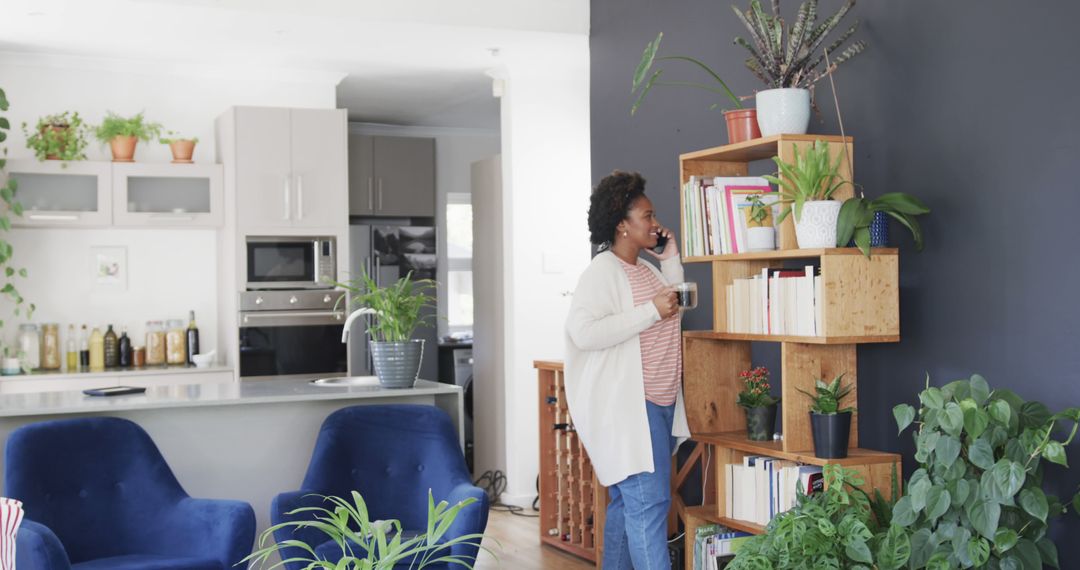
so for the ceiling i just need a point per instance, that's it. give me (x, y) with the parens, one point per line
(412, 62)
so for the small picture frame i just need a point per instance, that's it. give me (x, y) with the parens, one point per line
(108, 266)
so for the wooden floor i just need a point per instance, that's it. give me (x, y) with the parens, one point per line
(519, 546)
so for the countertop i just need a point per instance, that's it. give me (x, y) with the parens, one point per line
(116, 372)
(206, 394)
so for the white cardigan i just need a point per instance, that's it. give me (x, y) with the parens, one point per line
(605, 390)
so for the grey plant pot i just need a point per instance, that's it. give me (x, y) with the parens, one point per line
(397, 364)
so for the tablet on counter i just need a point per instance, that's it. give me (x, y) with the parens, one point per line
(114, 391)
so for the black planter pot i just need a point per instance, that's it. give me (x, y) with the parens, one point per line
(760, 423)
(831, 434)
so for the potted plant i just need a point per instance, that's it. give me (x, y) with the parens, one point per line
(830, 424)
(182, 148)
(123, 134)
(977, 498)
(865, 220)
(57, 137)
(760, 232)
(760, 406)
(788, 62)
(367, 544)
(742, 123)
(396, 312)
(11, 360)
(806, 187)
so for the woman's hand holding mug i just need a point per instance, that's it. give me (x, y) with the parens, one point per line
(666, 303)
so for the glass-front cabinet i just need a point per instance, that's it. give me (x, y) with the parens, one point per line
(185, 195)
(59, 194)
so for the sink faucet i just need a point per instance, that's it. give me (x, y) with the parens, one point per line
(351, 318)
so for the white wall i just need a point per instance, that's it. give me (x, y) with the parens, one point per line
(172, 271)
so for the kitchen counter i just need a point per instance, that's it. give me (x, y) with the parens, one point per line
(60, 381)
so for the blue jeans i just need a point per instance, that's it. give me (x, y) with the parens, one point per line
(635, 530)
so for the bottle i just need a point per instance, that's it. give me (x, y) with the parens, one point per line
(50, 346)
(112, 349)
(97, 350)
(72, 350)
(84, 349)
(175, 352)
(30, 346)
(125, 349)
(192, 339)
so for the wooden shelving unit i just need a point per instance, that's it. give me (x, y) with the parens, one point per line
(861, 305)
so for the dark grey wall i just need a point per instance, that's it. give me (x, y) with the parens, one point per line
(971, 105)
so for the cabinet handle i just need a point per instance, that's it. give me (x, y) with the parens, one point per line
(370, 194)
(299, 197)
(167, 216)
(53, 217)
(380, 194)
(286, 215)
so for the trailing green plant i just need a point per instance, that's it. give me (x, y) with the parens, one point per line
(811, 176)
(857, 214)
(789, 57)
(397, 307)
(827, 396)
(366, 544)
(755, 392)
(648, 58)
(836, 528)
(173, 136)
(9, 208)
(59, 137)
(116, 126)
(977, 499)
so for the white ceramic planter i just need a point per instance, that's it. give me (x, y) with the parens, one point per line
(10, 366)
(760, 239)
(783, 111)
(817, 226)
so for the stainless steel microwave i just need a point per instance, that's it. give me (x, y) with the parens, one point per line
(291, 262)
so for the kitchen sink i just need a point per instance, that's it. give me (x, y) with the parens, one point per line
(347, 381)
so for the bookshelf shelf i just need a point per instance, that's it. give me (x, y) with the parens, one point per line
(757, 149)
(707, 513)
(737, 440)
(782, 254)
(712, 335)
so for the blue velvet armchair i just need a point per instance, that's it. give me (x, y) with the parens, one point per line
(391, 455)
(99, 495)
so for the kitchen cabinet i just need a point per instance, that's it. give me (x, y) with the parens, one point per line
(62, 194)
(391, 176)
(291, 167)
(149, 194)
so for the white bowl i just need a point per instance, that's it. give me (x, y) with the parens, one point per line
(203, 360)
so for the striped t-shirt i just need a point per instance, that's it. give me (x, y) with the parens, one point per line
(661, 347)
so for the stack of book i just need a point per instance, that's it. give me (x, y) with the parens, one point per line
(715, 546)
(777, 302)
(716, 210)
(762, 487)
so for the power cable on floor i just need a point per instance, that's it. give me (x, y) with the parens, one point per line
(494, 483)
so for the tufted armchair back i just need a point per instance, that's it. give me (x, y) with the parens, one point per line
(391, 454)
(100, 484)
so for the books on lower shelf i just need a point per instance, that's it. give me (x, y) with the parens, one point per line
(762, 487)
(716, 211)
(776, 302)
(715, 546)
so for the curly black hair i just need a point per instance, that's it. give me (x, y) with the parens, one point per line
(610, 204)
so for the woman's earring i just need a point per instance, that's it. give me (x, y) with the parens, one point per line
(624, 234)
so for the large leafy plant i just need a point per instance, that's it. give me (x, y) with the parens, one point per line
(857, 213)
(58, 137)
(396, 308)
(827, 396)
(9, 208)
(789, 56)
(116, 126)
(648, 58)
(837, 528)
(811, 176)
(977, 498)
(366, 544)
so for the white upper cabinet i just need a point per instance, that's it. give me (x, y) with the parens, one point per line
(291, 167)
(61, 194)
(182, 195)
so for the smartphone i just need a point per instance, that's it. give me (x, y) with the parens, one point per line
(661, 241)
(114, 391)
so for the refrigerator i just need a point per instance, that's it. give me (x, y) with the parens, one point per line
(388, 252)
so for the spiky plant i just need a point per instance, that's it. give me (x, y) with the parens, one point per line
(789, 56)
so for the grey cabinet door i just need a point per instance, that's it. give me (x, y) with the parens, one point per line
(264, 191)
(361, 176)
(319, 168)
(404, 176)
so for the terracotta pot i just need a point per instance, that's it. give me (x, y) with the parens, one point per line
(59, 131)
(742, 125)
(123, 148)
(182, 151)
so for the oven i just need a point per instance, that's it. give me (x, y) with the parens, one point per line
(292, 334)
(290, 262)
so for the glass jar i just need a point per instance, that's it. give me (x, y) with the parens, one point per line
(175, 345)
(138, 356)
(29, 346)
(50, 346)
(155, 343)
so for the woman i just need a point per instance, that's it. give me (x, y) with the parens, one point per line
(624, 370)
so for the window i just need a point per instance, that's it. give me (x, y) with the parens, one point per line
(459, 245)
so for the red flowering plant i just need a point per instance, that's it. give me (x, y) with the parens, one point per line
(755, 392)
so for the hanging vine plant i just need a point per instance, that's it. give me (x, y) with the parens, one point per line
(9, 208)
